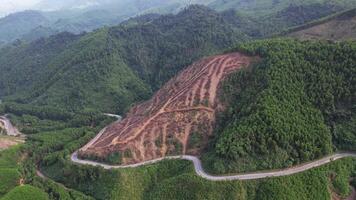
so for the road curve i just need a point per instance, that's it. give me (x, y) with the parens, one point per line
(10, 129)
(247, 176)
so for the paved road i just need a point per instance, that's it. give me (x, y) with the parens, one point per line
(248, 176)
(113, 115)
(10, 129)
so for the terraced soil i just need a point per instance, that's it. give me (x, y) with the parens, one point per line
(163, 126)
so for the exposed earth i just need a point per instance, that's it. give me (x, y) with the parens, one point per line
(10, 129)
(6, 142)
(183, 108)
(9, 135)
(340, 27)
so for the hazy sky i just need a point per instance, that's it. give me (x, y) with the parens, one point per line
(9, 6)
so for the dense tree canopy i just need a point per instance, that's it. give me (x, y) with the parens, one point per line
(290, 107)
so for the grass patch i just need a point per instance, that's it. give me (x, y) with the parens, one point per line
(26, 192)
(9, 169)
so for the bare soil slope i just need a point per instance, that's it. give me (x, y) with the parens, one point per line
(181, 110)
(339, 27)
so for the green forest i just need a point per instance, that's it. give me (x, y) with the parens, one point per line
(112, 68)
(296, 103)
(275, 112)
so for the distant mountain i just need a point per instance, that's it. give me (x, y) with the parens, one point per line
(341, 26)
(266, 7)
(15, 25)
(78, 16)
(87, 15)
(111, 68)
(54, 5)
(38, 32)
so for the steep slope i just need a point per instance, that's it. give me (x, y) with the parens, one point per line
(22, 65)
(294, 106)
(177, 120)
(338, 27)
(111, 68)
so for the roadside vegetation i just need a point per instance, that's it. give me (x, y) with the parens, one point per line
(53, 138)
(26, 192)
(10, 170)
(294, 106)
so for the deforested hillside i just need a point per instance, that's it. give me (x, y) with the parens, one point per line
(111, 68)
(338, 27)
(295, 104)
(179, 119)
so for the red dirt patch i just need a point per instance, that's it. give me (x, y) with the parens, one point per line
(162, 125)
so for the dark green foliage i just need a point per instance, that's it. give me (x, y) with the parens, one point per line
(161, 48)
(345, 134)
(41, 112)
(189, 186)
(173, 179)
(112, 68)
(284, 110)
(194, 140)
(353, 182)
(114, 158)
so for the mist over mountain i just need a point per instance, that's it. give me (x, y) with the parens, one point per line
(48, 17)
(78, 16)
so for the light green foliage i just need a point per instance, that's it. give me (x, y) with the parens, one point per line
(9, 169)
(25, 192)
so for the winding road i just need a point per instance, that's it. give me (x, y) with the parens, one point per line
(200, 171)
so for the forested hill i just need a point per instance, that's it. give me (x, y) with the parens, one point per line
(297, 105)
(340, 26)
(111, 68)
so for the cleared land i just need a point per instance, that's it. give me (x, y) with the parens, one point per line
(10, 129)
(339, 27)
(7, 141)
(163, 126)
(12, 137)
